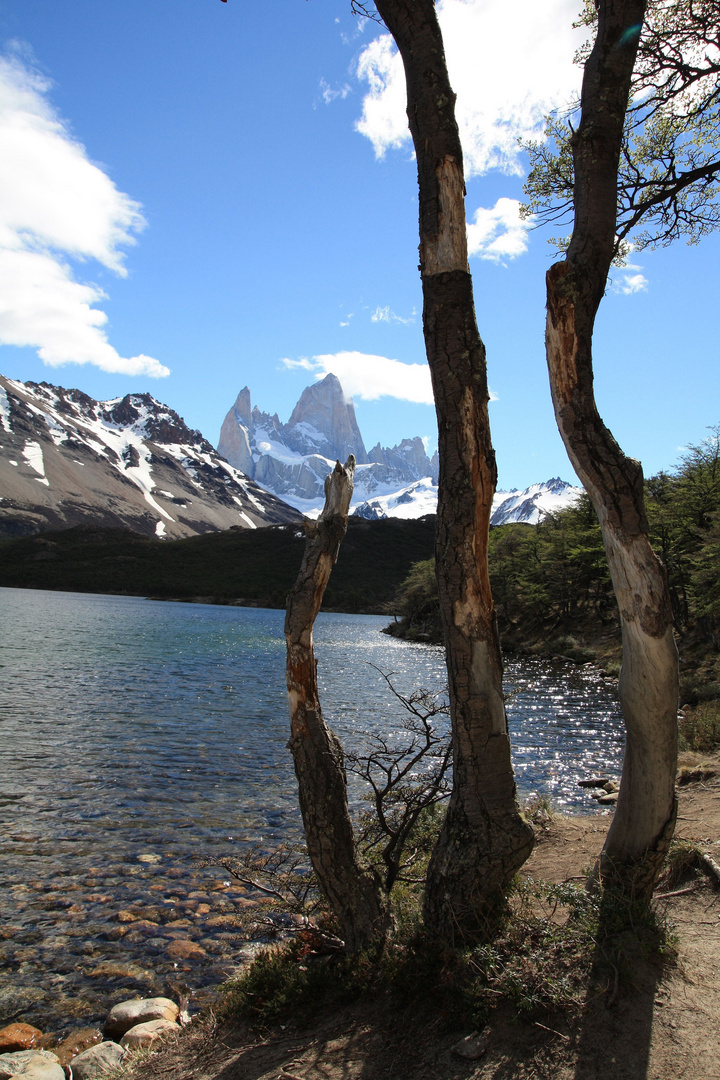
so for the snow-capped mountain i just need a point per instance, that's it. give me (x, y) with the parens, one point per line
(534, 502)
(293, 459)
(132, 462)
(527, 506)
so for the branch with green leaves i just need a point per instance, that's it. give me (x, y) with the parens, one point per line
(669, 172)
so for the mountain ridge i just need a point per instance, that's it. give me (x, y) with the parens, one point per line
(68, 460)
(292, 460)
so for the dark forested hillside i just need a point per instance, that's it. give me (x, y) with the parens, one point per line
(254, 567)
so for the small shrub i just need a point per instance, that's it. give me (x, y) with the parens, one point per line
(550, 945)
(696, 775)
(539, 811)
(567, 647)
(699, 728)
(291, 984)
(693, 690)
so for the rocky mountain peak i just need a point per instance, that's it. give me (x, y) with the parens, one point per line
(132, 462)
(293, 459)
(323, 422)
(243, 406)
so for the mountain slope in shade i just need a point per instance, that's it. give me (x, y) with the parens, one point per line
(67, 460)
(527, 506)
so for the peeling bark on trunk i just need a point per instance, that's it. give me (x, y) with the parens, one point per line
(484, 839)
(644, 819)
(352, 891)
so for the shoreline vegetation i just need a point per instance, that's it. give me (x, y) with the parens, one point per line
(552, 588)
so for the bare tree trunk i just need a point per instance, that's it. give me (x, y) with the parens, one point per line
(353, 892)
(645, 816)
(484, 839)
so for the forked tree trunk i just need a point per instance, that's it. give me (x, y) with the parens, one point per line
(645, 815)
(353, 891)
(484, 839)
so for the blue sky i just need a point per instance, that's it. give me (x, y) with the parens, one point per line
(231, 186)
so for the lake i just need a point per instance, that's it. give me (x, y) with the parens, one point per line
(135, 736)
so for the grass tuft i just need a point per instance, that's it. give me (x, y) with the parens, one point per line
(681, 864)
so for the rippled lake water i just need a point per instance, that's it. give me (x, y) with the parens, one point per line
(137, 735)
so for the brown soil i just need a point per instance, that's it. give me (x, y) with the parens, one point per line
(662, 1027)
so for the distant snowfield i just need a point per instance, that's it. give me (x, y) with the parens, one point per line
(420, 498)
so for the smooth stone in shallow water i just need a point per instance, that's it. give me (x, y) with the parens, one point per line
(18, 1037)
(97, 1061)
(74, 1043)
(185, 950)
(594, 782)
(144, 1034)
(20, 999)
(31, 1065)
(608, 799)
(128, 1014)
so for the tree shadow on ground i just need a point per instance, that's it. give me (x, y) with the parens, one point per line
(614, 1033)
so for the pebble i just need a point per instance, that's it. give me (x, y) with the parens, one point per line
(608, 799)
(145, 924)
(31, 1065)
(471, 1047)
(18, 1037)
(73, 1044)
(184, 949)
(127, 916)
(594, 782)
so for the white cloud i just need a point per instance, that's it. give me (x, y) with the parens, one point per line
(498, 233)
(385, 314)
(629, 283)
(627, 279)
(508, 67)
(369, 377)
(302, 364)
(329, 93)
(55, 204)
(383, 120)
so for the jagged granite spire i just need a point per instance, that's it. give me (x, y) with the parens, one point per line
(323, 422)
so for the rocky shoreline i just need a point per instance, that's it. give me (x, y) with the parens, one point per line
(183, 937)
(70, 945)
(88, 1053)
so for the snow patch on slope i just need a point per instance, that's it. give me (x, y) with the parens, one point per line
(34, 459)
(4, 409)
